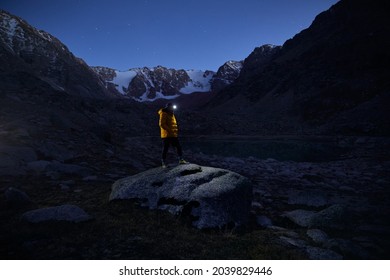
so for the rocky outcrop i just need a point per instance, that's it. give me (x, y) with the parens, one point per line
(212, 197)
(63, 213)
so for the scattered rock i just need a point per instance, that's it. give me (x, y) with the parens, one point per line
(308, 198)
(257, 205)
(335, 217)
(347, 189)
(213, 197)
(25, 154)
(68, 182)
(263, 221)
(348, 248)
(55, 169)
(68, 169)
(67, 213)
(316, 253)
(294, 241)
(21, 133)
(290, 233)
(38, 166)
(318, 236)
(277, 229)
(90, 178)
(54, 151)
(300, 217)
(64, 187)
(16, 198)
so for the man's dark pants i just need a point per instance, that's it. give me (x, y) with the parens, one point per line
(174, 141)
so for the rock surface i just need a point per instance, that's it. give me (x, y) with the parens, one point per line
(335, 216)
(318, 236)
(67, 213)
(300, 217)
(213, 197)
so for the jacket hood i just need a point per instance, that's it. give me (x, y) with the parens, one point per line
(164, 110)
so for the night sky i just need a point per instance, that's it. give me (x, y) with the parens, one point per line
(180, 34)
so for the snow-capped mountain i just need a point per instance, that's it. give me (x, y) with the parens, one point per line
(150, 84)
(31, 54)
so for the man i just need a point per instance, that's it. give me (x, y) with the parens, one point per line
(169, 133)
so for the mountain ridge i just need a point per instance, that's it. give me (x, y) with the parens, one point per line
(329, 78)
(32, 54)
(148, 84)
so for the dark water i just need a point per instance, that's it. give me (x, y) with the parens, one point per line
(282, 150)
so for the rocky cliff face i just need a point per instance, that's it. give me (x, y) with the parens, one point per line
(331, 77)
(150, 84)
(258, 59)
(34, 56)
(226, 74)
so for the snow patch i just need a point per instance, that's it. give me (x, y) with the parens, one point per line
(9, 27)
(122, 80)
(46, 36)
(13, 24)
(199, 81)
(235, 65)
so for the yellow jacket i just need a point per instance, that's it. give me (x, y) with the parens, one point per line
(167, 123)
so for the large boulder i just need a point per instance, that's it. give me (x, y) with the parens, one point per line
(333, 217)
(213, 197)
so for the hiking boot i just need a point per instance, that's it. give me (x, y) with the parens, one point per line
(182, 161)
(163, 165)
